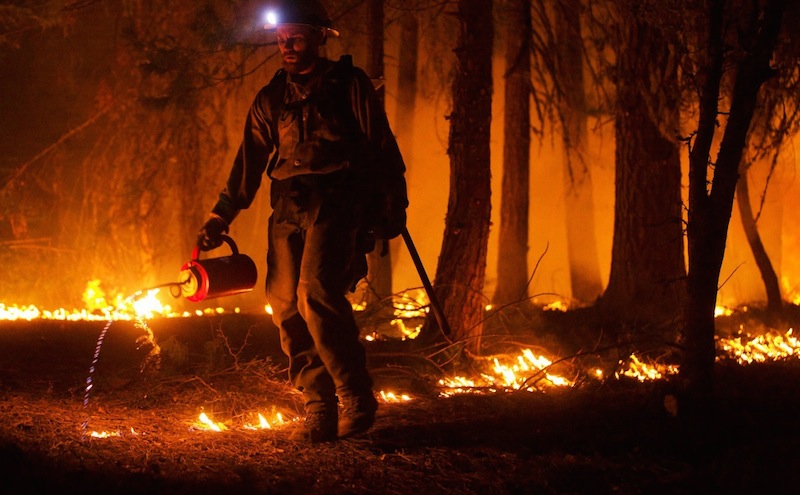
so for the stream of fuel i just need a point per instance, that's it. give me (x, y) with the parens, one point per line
(147, 338)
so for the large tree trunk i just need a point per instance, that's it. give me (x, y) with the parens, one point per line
(584, 265)
(461, 269)
(512, 264)
(768, 275)
(710, 212)
(647, 264)
(379, 261)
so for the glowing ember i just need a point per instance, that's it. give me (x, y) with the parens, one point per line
(104, 434)
(392, 397)
(722, 311)
(407, 333)
(557, 306)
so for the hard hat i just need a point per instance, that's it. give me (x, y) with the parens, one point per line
(304, 12)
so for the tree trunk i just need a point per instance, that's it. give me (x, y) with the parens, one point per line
(768, 275)
(407, 85)
(584, 265)
(710, 212)
(512, 265)
(379, 261)
(461, 269)
(647, 264)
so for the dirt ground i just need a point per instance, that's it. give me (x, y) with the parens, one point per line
(613, 436)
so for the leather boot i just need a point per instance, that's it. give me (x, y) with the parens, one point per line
(357, 414)
(317, 427)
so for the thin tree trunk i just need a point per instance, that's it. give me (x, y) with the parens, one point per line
(710, 212)
(379, 261)
(584, 264)
(461, 269)
(768, 275)
(407, 85)
(512, 264)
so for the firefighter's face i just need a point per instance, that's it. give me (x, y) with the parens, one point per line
(299, 45)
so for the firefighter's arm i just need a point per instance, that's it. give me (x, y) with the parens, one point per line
(244, 178)
(250, 163)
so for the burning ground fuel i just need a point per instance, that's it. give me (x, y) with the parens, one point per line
(522, 369)
(198, 400)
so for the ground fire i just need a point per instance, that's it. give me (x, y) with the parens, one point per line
(522, 369)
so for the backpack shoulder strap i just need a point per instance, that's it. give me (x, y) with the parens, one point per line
(276, 91)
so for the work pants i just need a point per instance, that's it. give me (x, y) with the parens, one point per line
(309, 271)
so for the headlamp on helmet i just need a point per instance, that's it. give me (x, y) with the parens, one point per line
(270, 19)
(302, 12)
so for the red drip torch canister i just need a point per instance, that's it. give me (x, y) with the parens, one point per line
(216, 277)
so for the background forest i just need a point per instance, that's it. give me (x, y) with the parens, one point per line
(560, 152)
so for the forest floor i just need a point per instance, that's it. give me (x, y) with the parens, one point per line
(616, 436)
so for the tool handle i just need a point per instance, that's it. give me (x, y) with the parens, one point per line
(228, 240)
(437, 309)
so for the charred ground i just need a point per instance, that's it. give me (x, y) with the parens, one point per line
(613, 436)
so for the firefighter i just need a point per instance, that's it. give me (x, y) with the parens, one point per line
(319, 132)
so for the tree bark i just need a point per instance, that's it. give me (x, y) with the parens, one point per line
(647, 263)
(461, 269)
(407, 85)
(710, 212)
(768, 275)
(584, 265)
(512, 264)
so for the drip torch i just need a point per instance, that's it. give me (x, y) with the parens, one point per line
(217, 277)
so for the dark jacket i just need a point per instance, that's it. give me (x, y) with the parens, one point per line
(327, 139)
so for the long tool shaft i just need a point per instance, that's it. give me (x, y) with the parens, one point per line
(437, 309)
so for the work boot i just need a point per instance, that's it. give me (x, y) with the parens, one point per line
(357, 414)
(317, 427)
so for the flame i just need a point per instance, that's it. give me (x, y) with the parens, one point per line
(265, 424)
(205, 423)
(504, 372)
(93, 296)
(770, 346)
(411, 304)
(643, 371)
(791, 291)
(99, 306)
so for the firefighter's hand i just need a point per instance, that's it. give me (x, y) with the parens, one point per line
(392, 218)
(210, 236)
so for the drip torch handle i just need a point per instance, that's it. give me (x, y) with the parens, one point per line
(227, 239)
